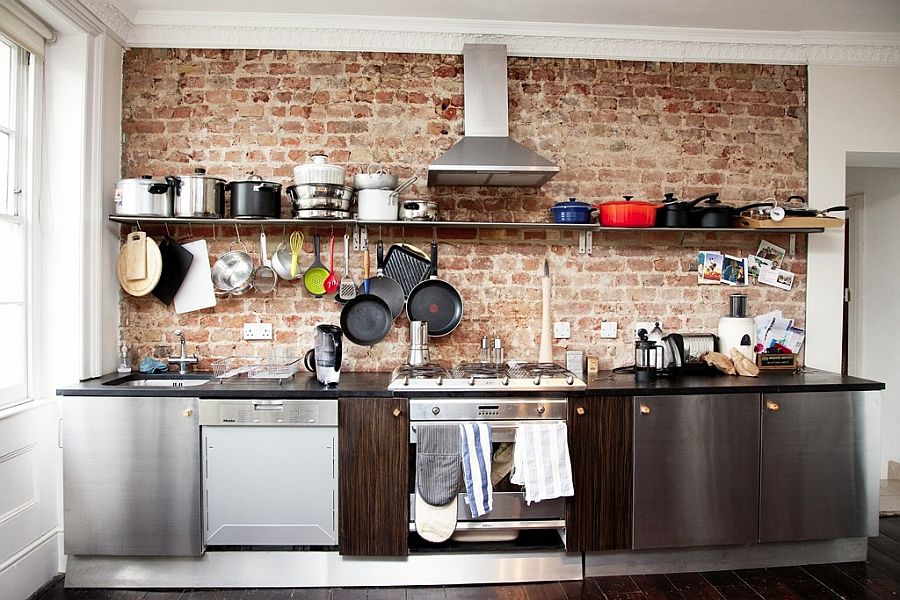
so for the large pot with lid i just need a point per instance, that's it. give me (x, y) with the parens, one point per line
(144, 197)
(255, 198)
(199, 195)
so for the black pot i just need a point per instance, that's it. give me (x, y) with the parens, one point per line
(255, 199)
(675, 212)
(718, 215)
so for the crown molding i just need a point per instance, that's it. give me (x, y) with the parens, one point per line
(248, 30)
(96, 17)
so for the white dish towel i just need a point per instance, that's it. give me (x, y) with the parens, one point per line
(475, 448)
(541, 461)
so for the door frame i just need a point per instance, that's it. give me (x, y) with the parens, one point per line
(854, 358)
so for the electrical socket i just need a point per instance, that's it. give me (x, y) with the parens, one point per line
(562, 330)
(608, 329)
(648, 325)
(257, 331)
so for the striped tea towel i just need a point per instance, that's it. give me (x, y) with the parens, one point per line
(475, 447)
(541, 461)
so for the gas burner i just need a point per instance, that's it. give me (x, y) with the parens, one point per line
(526, 370)
(421, 372)
(478, 371)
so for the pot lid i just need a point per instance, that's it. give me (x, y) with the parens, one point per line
(571, 203)
(144, 180)
(629, 202)
(200, 173)
(251, 178)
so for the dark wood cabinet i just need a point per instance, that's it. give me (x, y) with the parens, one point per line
(598, 517)
(373, 501)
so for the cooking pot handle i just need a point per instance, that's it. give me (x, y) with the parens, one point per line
(174, 181)
(309, 360)
(275, 187)
(411, 205)
(670, 197)
(336, 340)
(800, 198)
(712, 198)
(158, 188)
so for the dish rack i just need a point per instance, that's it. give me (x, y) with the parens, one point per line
(281, 363)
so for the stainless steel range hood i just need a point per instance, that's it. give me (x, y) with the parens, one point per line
(487, 155)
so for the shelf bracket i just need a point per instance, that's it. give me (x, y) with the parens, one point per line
(360, 238)
(792, 245)
(586, 242)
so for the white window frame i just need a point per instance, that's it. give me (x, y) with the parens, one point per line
(21, 171)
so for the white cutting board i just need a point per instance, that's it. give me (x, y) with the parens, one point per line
(196, 291)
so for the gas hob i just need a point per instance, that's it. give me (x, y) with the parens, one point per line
(480, 377)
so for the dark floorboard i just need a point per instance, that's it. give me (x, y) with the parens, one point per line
(876, 579)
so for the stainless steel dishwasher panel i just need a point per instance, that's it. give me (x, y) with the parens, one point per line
(820, 465)
(131, 476)
(696, 470)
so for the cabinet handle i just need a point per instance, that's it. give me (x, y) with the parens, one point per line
(773, 406)
(396, 412)
(645, 410)
(580, 410)
(188, 412)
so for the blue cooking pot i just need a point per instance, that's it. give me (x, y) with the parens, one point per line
(572, 211)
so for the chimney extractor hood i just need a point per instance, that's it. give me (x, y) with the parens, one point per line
(487, 155)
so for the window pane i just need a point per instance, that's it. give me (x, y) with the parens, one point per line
(7, 202)
(5, 84)
(12, 348)
(12, 267)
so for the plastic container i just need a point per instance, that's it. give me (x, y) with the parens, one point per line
(628, 213)
(319, 171)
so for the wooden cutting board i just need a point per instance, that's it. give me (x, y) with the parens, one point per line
(136, 256)
(792, 222)
(153, 270)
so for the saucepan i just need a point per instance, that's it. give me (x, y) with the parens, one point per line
(718, 215)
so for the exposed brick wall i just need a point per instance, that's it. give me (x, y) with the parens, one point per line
(614, 127)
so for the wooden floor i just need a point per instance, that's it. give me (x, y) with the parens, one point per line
(878, 578)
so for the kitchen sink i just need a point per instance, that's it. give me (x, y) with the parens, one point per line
(162, 380)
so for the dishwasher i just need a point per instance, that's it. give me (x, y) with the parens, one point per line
(269, 472)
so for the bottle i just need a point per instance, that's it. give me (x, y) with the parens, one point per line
(485, 350)
(125, 359)
(498, 351)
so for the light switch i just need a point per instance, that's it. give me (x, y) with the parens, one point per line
(562, 330)
(608, 329)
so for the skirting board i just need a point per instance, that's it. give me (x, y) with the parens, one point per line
(318, 569)
(32, 569)
(721, 558)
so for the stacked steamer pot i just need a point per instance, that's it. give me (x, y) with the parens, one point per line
(319, 191)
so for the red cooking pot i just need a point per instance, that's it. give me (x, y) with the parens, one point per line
(628, 213)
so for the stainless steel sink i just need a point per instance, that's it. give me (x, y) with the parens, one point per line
(164, 383)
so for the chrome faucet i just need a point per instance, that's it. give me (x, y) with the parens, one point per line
(184, 360)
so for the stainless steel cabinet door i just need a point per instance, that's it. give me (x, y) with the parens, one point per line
(131, 476)
(696, 470)
(820, 454)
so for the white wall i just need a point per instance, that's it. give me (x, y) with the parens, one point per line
(879, 299)
(851, 109)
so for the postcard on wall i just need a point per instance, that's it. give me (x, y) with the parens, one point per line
(709, 269)
(771, 252)
(755, 264)
(777, 278)
(734, 270)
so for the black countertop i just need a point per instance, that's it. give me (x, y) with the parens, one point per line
(374, 384)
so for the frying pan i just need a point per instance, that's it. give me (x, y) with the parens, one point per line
(384, 287)
(366, 319)
(435, 301)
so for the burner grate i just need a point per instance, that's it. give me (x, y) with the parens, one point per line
(478, 371)
(422, 372)
(530, 370)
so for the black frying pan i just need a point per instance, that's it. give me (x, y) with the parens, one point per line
(384, 287)
(366, 319)
(435, 301)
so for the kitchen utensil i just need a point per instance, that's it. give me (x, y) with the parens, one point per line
(196, 291)
(314, 213)
(675, 212)
(813, 212)
(264, 276)
(254, 198)
(325, 358)
(176, 262)
(316, 273)
(144, 285)
(296, 246)
(378, 205)
(232, 273)
(366, 319)
(736, 329)
(375, 178)
(435, 301)
(347, 289)
(628, 213)
(418, 210)
(282, 259)
(716, 214)
(545, 350)
(572, 211)
(331, 282)
(136, 256)
(384, 287)
(321, 196)
(319, 171)
(407, 265)
(647, 354)
(199, 195)
(419, 354)
(144, 197)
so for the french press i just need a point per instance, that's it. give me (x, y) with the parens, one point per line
(647, 354)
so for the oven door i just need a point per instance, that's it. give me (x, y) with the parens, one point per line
(510, 509)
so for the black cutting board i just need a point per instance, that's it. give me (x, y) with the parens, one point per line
(175, 264)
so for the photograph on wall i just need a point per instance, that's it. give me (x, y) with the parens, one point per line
(777, 278)
(709, 267)
(771, 252)
(734, 270)
(755, 264)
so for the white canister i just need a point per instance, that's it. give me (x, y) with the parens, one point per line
(378, 205)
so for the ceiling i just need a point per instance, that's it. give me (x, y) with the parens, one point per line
(873, 16)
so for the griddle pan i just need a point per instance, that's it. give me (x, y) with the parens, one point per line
(435, 301)
(407, 265)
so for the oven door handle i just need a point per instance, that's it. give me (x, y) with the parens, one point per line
(501, 431)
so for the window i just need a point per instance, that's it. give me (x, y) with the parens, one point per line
(16, 94)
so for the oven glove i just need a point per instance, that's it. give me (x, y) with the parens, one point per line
(435, 523)
(541, 462)
(475, 440)
(437, 463)
(502, 462)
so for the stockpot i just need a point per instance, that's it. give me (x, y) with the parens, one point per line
(144, 197)
(255, 198)
(199, 196)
